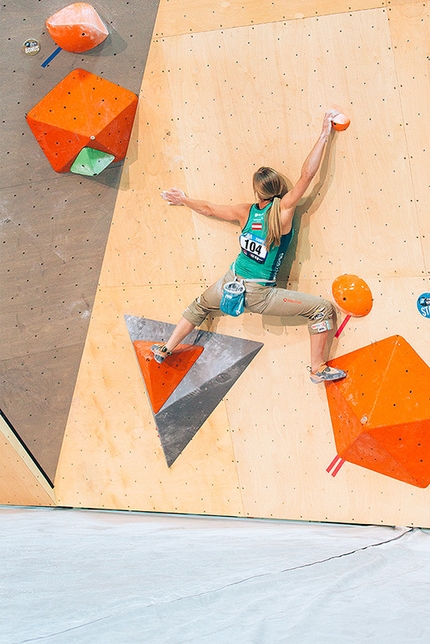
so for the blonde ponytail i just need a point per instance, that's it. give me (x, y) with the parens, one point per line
(273, 221)
(271, 185)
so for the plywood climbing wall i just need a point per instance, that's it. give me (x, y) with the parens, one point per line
(21, 480)
(225, 91)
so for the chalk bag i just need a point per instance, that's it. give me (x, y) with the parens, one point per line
(233, 298)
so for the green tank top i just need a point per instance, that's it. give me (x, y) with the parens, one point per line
(255, 261)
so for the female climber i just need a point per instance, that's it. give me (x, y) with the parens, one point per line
(266, 232)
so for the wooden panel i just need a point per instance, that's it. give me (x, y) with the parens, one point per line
(410, 33)
(112, 456)
(217, 105)
(21, 482)
(182, 17)
(145, 219)
(235, 124)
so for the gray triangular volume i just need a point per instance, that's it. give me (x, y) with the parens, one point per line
(145, 329)
(178, 423)
(223, 360)
(219, 358)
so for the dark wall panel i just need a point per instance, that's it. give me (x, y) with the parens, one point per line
(54, 227)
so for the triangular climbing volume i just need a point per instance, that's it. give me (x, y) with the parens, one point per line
(161, 380)
(187, 405)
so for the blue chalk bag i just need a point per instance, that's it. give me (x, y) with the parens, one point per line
(233, 298)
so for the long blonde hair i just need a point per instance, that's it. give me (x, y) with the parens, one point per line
(271, 185)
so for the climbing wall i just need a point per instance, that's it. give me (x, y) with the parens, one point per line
(54, 227)
(225, 90)
(21, 482)
(218, 103)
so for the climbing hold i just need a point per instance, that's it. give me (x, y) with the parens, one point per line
(352, 295)
(83, 110)
(381, 412)
(91, 162)
(341, 122)
(77, 28)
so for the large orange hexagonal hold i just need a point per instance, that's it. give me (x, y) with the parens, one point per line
(380, 412)
(77, 28)
(83, 110)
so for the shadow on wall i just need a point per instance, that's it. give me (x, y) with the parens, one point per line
(112, 46)
(290, 270)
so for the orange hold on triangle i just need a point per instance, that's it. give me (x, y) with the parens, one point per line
(161, 380)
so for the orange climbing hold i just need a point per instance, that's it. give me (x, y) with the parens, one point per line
(352, 295)
(341, 122)
(161, 380)
(77, 28)
(83, 110)
(381, 412)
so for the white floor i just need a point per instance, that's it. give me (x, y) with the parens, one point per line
(75, 576)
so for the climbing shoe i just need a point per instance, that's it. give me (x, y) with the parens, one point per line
(327, 374)
(160, 352)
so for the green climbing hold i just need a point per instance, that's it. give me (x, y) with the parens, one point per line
(91, 162)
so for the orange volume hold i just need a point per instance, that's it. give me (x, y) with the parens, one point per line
(77, 28)
(380, 413)
(83, 110)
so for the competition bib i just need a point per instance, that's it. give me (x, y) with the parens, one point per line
(253, 247)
